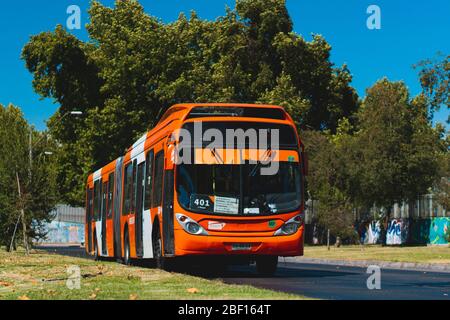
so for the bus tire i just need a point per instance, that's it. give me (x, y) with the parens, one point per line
(267, 265)
(157, 250)
(126, 249)
(96, 253)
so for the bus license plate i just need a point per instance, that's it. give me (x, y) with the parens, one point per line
(241, 247)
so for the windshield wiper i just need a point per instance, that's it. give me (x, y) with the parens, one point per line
(216, 156)
(267, 155)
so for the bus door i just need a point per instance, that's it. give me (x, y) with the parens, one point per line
(104, 218)
(89, 218)
(117, 208)
(139, 210)
(168, 214)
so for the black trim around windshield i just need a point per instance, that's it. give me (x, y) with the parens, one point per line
(241, 201)
(288, 135)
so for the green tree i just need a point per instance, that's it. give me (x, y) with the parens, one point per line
(442, 187)
(435, 80)
(134, 67)
(398, 150)
(36, 201)
(331, 181)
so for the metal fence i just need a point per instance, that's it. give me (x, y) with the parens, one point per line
(65, 213)
(424, 207)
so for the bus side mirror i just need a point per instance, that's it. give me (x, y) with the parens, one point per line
(305, 163)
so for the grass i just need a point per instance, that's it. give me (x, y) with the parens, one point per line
(430, 254)
(43, 276)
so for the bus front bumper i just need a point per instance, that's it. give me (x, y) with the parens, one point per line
(283, 246)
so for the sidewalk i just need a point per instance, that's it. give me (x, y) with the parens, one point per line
(410, 266)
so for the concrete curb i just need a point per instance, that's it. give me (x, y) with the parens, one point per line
(410, 266)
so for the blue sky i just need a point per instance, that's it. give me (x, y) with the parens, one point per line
(411, 31)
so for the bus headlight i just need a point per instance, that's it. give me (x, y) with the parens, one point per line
(291, 227)
(190, 226)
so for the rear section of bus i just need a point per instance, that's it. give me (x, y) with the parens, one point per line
(239, 184)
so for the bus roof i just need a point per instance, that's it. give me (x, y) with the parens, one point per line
(179, 112)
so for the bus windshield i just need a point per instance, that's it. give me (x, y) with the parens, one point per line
(239, 189)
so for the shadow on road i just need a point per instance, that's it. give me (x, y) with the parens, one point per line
(208, 270)
(250, 272)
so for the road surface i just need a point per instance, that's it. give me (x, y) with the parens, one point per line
(332, 282)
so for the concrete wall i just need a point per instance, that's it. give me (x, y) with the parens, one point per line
(64, 233)
(399, 232)
(67, 226)
(408, 231)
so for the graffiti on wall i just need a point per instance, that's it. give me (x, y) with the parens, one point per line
(64, 232)
(403, 231)
(371, 233)
(394, 232)
(438, 230)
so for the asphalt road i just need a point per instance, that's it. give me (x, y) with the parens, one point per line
(348, 283)
(332, 282)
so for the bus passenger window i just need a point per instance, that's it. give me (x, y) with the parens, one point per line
(89, 205)
(159, 173)
(149, 180)
(104, 201)
(127, 190)
(97, 200)
(110, 195)
(134, 191)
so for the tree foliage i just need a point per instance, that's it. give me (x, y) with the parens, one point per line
(442, 187)
(391, 154)
(435, 81)
(332, 178)
(36, 200)
(399, 151)
(134, 67)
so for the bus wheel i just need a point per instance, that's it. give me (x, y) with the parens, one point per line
(126, 249)
(267, 266)
(96, 253)
(157, 251)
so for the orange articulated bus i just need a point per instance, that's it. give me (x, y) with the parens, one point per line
(180, 191)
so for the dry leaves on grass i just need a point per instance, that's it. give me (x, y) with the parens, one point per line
(101, 269)
(23, 298)
(193, 290)
(93, 296)
(5, 284)
(133, 297)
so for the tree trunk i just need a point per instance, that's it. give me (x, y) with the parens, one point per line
(22, 213)
(328, 240)
(384, 227)
(12, 246)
